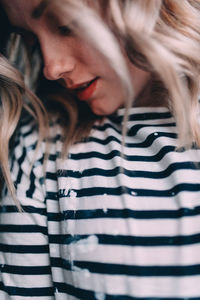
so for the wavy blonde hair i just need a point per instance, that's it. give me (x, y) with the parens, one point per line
(160, 36)
(15, 97)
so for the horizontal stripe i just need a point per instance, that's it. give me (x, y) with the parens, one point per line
(25, 208)
(83, 294)
(128, 270)
(123, 213)
(115, 153)
(25, 270)
(26, 249)
(27, 292)
(134, 129)
(89, 295)
(118, 191)
(127, 240)
(23, 228)
(95, 213)
(144, 144)
(130, 173)
(144, 116)
(88, 192)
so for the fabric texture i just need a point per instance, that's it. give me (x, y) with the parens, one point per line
(106, 223)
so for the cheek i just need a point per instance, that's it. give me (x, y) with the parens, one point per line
(99, 66)
(93, 58)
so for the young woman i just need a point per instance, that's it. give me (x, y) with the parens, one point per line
(113, 211)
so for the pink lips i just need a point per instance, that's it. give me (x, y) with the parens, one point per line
(85, 91)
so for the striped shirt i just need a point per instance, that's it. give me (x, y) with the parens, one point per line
(101, 225)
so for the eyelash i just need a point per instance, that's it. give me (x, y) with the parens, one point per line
(64, 30)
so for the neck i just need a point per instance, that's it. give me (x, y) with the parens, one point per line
(153, 95)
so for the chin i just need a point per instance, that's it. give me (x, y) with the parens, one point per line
(102, 109)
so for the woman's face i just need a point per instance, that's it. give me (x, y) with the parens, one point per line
(70, 60)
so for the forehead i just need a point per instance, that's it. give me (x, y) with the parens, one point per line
(20, 11)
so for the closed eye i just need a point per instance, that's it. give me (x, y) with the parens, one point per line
(65, 30)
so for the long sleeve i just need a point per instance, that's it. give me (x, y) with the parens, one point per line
(24, 249)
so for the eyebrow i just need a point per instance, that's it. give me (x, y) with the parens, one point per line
(39, 9)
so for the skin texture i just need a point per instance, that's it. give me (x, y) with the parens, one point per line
(71, 61)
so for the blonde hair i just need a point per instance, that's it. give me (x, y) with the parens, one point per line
(160, 36)
(14, 95)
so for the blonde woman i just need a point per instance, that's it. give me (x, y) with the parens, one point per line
(113, 211)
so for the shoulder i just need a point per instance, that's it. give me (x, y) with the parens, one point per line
(25, 143)
(27, 160)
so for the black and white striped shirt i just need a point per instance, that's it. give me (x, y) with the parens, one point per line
(101, 225)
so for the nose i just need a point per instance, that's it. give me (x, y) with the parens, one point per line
(59, 59)
(58, 66)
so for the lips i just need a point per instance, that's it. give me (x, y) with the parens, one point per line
(85, 91)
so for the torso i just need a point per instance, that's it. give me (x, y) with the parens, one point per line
(124, 223)
(131, 231)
